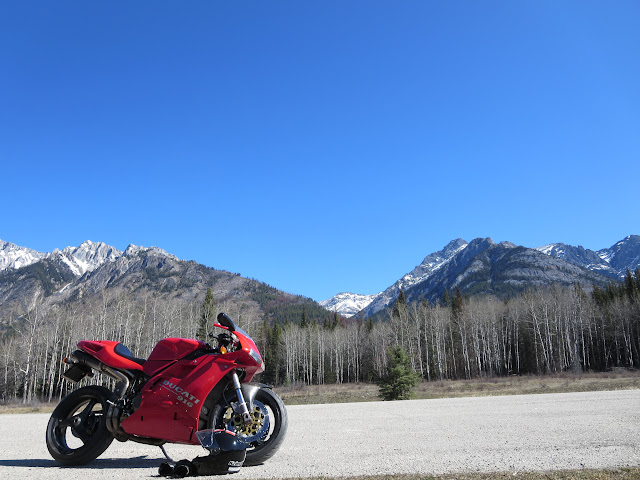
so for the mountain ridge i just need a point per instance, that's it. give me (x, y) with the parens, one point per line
(76, 275)
(525, 268)
(477, 267)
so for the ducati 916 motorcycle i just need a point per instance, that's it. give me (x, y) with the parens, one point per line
(185, 386)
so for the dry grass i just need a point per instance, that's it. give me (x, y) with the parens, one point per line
(367, 392)
(562, 383)
(33, 407)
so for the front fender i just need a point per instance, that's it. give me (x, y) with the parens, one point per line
(249, 391)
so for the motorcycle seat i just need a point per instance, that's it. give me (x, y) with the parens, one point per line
(123, 351)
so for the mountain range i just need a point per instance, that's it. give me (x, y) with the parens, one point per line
(30, 279)
(77, 275)
(503, 269)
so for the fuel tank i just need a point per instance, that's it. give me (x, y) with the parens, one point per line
(168, 351)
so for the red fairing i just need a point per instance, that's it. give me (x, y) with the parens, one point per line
(103, 350)
(172, 400)
(169, 350)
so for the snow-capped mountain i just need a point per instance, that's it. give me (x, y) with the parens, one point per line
(13, 256)
(86, 257)
(431, 264)
(79, 260)
(579, 256)
(348, 304)
(483, 267)
(92, 273)
(135, 249)
(612, 262)
(623, 255)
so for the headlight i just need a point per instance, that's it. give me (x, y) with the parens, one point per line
(255, 356)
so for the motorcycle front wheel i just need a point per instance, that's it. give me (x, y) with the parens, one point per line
(264, 434)
(77, 431)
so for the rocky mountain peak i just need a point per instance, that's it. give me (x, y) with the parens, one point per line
(484, 267)
(13, 256)
(348, 304)
(133, 250)
(79, 260)
(624, 255)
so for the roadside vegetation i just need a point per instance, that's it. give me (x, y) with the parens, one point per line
(515, 385)
(620, 379)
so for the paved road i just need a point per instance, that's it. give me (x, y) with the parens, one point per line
(515, 433)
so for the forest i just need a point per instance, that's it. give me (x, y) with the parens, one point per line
(541, 331)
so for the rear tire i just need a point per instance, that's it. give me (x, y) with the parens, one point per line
(77, 430)
(263, 448)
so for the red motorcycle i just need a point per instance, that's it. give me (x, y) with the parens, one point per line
(183, 387)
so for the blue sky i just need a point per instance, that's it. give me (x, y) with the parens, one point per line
(318, 146)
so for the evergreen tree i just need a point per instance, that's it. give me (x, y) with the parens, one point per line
(336, 320)
(630, 286)
(446, 298)
(369, 325)
(400, 378)
(207, 316)
(457, 303)
(400, 305)
(273, 355)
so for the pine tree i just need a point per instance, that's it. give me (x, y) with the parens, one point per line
(273, 355)
(446, 299)
(369, 325)
(630, 286)
(400, 378)
(207, 316)
(457, 303)
(336, 320)
(400, 305)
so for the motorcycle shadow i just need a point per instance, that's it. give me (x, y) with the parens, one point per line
(98, 464)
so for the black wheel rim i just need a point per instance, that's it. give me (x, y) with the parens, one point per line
(79, 425)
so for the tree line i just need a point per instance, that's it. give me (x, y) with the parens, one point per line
(540, 331)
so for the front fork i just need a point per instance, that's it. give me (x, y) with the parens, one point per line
(243, 409)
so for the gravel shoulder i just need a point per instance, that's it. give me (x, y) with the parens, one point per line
(478, 434)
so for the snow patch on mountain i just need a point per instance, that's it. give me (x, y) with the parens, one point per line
(13, 256)
(552, 250)
(348, 304)
(135, 249)
(431, 264)
(81, 259)
(86, 257)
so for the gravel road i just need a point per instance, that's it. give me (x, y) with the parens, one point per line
(514, 433)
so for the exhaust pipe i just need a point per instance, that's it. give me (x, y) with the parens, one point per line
(122, 385)
(83, 358)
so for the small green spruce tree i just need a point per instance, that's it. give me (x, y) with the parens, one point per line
(207, 317)
(400, 379)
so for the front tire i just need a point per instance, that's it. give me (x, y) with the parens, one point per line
(77, 431)
(265, 435)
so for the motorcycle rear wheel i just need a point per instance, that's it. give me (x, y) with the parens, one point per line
(262, 444)
(77, 431)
